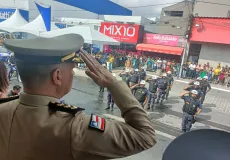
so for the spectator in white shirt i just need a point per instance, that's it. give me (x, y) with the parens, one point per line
(192, 71)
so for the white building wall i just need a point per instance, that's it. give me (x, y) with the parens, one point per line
(214, 54)
(212, 8)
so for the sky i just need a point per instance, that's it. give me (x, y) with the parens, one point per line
(135, 5)
(149, 11)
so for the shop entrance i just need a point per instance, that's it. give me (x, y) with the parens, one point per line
(171, 57)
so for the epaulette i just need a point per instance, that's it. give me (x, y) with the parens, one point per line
(55, 106)
(8, 99)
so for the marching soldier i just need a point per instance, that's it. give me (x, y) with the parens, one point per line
(142, 74)
(102, 89)
(152, 91)
(191, 109)
(125, 76)
(170, 83)
(37, 126)
(110, 101)
(141, 93)
(162, 84)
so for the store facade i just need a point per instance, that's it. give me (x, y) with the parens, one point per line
(128, 34)
(160, 45)
(209, 41)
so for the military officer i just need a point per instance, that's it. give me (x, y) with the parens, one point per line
(205, 87)
(170, 83)
(102, 89)
(134, 78)
(125, 76)
(162, 84)
(141, 93)
(152, 91)
(199, 79)
(191, 109)
(196, 87)
(142, 74)
(36, 126)
(110, 101)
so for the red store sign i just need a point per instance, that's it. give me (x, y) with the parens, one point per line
(121, 32)
(160, 39)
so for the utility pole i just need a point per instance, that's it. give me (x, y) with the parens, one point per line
(187, 37)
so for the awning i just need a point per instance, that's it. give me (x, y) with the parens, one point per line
(210, 30)
(160, 49)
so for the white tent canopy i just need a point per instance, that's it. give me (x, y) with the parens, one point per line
(16, 20)
(35, 27)
(89, 34)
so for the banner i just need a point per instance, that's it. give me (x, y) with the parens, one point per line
(46, 15)
(161, 39)
(7, 13)
(121, 32)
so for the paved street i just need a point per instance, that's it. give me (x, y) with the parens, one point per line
(166, 118)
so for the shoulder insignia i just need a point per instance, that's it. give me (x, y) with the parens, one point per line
(8, 99)
(55, 106)
(97, 123)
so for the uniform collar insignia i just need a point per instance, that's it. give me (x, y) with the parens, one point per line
(8, 99)
(55, 106)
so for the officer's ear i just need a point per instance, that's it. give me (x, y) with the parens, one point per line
(57, 76)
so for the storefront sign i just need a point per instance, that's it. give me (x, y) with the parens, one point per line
(7, 13)
(121, 32)
(160, 39)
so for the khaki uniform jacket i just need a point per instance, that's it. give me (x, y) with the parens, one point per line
(30, 131)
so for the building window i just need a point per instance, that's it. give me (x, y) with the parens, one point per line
(174, 13)
(167, 13)
(228, 15)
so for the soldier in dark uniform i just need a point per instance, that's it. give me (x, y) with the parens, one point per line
(142, 74)
(102, 89)
(110, 101)
(195, 86)
(205, 87)
(191, 109)
(125, 76)
(37, 126)
(162, 84)
(134, 79)
(199, 79)
(141, 93)
(152, 91)
(170, 83)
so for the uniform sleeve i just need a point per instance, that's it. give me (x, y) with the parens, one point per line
(189, 88)
(146, 92)
(119, 139)
(199, 105)
(133, 89)
(185, 97)
(209, 86)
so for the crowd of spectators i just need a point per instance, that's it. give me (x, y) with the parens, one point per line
(190, 70)
(217, 75)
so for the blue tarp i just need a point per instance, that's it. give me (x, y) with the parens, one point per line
(101, 7)
(46, 15)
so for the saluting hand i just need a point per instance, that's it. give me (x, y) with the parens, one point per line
(96, 71)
